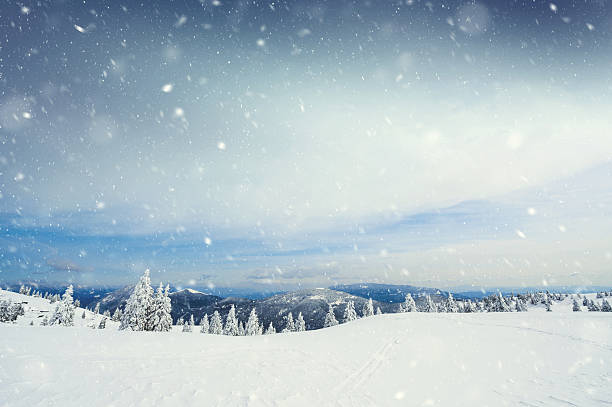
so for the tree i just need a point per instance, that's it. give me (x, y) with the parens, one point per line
(368, 308)
(231, 323)
(83, 315)
(188, 326)
(289, 324)
(216, 326)
(64, 311)
(520, 306)
(205, 326)
(468, 306)
(605, 306)
(576, 307)
(252, 326)
(349, 312)
(378, 311)
(97, 309)
(241, 328)
(451, 304)
(161, 318)
(138, 309)
(102, 324)
(9, 311)
(117, 315)
(330, 318)
(409, 304)
(77, 303)
(300, 324)
(270, 330)
(429, 305)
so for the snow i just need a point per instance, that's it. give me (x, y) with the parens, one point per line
(535, 358)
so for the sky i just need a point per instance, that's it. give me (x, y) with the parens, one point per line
(274, 145)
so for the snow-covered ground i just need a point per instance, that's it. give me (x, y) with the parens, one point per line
(538, 358)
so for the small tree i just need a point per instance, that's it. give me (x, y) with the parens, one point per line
(378, 311)
(116, 315)
(300, 324)
(349, 312)
(138, 309)
(161, 308)
(231, 323)
(188, 326)
(204, 325)
(64, 311)
(216, 326)
(83, 315)
(368, 308)
(451, 304)
(270, 330)
(289, 324)
(97, 309)
(102, 324)
(252, 326)
(428, 305)
(605, 306)
(576, 306)
(409, 304)
(330, 318)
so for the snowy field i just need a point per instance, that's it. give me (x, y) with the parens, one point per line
(537, 358)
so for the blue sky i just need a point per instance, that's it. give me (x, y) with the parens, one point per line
(304, 143)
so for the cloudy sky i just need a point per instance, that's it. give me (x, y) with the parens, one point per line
(276, 144)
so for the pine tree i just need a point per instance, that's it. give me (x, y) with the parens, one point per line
(161, 318)
(300, 324)
(137, 314)
(188, 326)
(409, 304)
(368, 308)
(451, 304)
(378, 311)
(605, 306)
(216, 326)
(576, 307)
(117, 315)
(64, 311)
(102, 324)
(252, 326)
(429, 305)
(289, 324)
(83, 315)
(97, 309)
(241, 330)
(270, 329)
(349, 312)
(330, 318)
(77, 303)
(205, 326)
(231, 323)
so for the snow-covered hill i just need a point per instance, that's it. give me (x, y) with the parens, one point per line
(537, 358)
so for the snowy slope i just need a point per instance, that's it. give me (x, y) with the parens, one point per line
(557, 358)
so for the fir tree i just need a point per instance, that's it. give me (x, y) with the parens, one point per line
(270, 330)
(252, 326)
(330, 318)
(137, 314)
(204, 325)
(429, 305)
(241, 330)
(161, 318)
(409, 304)
(117, 315)
(97, 309)
(576, 307)
(231, 323)
(289, 324)
(451, 304)
(188, 325)
(102, 324)
(216, 326)
(378, 311)
(368, 308)
(605, 306)
(300, 324)
(77, 303)
(83, 315)
(349, 312)
(64, 311)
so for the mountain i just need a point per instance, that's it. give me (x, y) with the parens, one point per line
(390, 293)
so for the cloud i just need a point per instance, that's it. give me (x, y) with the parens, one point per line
(59, 264)
(301, 274)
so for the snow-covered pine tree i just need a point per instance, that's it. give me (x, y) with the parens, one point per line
(368, 308)
(231, 323)
(585, 301)
(409, 305)
(102, 324)
(252, 326)
(216, 326)
(97, 309)
(64, 311)
(83, 315)
(188, 325)
(520, 306)
(500, 305)
(428, 305)
(137, 314)
(548, 309)
(330, 318)
(451, 304)
(289, 323)
(204, 325)
(77, 303)
(349, 312)
(300, 324)
(117, 315)
(378, 311)
(605, 306)
(270, 330)
(241, 329)
(576, 307)
(468, 306)
(161, 318)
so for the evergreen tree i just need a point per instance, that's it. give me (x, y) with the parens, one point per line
(102, 324)
(270, 329)
(349, 312)
(77, 303)
(241, 330)
(161, 318)
(188, 326)
(585, 301)
(330, 318)
(204, 324)
(252, 326)
(289, 324)
(117, 315)
(107, 314)
(576, 307)
(409, 304)
(378, 311)
(451, 304)
(83, 315)
(216, 326)
(64, 311)
(368, 308)
(605, 306)
(520, 306)
(300, 324)
(429, 305)
(97, 309)
(231, 323)
(138, 311)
